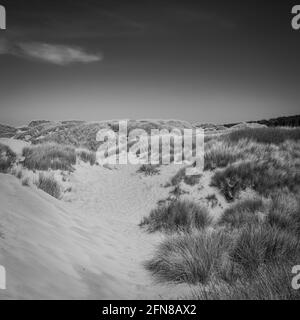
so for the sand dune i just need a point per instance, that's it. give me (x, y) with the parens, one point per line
(87, 246)
(37, 248)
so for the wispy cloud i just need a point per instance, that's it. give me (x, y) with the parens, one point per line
(51, 53)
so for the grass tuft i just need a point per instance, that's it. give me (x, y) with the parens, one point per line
(177, 215)
(49, 156)
(149, 169)
(25, 182)
(49, 185)
(181, 175)
(264, 244)
(86, 156)
(7, 158)
(190, 258)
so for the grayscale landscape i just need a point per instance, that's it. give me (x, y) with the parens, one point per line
(149, 150)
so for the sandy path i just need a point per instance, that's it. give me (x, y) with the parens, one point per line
(108, 205)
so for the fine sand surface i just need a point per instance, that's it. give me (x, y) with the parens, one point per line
(87, 245)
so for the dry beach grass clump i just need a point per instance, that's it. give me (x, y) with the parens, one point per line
(7, 158)
(49, 156)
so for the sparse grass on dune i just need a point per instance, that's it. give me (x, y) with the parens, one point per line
(149, 169)
(75, 133)
(282, 210)
(177, 192)
(178, 177)
(181, 175)
(264, 177)
(219, 154)
(49, 185)
(265, 135)
(149, 125)
(7, 158)
(19, 174)
(192, 180)
(80, 133)
(26, 182)
(251, 144)
(49, 156)
(86, 156)
(17, 171)
(177, 215)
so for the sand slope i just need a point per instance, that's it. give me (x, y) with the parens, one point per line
(37, 246)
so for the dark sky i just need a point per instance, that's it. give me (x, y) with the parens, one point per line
(208, 61)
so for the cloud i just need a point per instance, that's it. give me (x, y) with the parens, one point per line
(52, 53)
